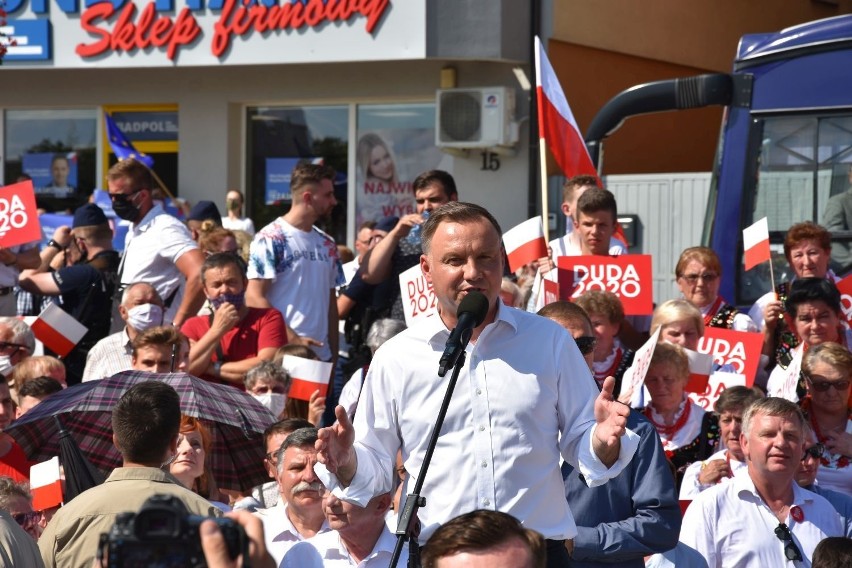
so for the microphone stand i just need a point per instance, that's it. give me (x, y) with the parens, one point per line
(413, 501)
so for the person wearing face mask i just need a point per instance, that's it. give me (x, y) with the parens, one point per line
(234, 338)
(268, 384)
(233, 221)
(141, 309)
(17, 342)
(85, 282)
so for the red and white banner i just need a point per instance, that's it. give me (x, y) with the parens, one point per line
(58, 330)
(307, 376)
(18, 215)
(634, 376)
(719, 381)
(46, 484)
(551, 291)
(628, 276)
(700, 367)
(525, 243)
(418, 297)
(556, 125)
(756, 244)
(739, 349)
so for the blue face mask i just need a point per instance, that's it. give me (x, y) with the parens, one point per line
(236, 300)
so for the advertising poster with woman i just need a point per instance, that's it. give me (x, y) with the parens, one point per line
(395, 144)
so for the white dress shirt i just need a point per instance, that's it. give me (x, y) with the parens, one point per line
(690, 487)
(278, 532)
(524, 396)
(151, 249)
(730, 525)
(327, 550)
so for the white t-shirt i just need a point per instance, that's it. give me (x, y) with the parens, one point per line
(244, 224)
(303, 267)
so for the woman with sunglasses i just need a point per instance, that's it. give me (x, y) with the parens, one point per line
(814, 314)
(16, 500)
(699, 275)
(827, 369)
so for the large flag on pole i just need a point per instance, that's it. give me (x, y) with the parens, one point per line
(121, 146)
(556, 125)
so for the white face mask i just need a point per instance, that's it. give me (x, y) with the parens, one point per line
(6, 365)
(274, 401)
(145, 316)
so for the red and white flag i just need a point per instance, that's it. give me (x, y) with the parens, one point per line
(756, 244)
(46, 484)
(556, 125)
(525, 243)
(307, 376)
(58, 330)
(700, 367)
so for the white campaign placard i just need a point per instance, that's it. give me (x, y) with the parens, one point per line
(418, 297)
(634, 377)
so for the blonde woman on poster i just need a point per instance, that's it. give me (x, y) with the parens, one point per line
(382, 194)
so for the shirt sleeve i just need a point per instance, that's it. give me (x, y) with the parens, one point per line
(261, 263)
(174, 238)
(75, 278)
(697, 533)
(194, 328)
(272, 332)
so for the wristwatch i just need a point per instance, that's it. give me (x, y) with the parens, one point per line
(54, 244)
(217, 368)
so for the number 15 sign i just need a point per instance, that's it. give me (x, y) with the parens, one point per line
(18, 215)
(627, 276)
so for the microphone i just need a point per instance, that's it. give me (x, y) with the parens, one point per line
(471, 313)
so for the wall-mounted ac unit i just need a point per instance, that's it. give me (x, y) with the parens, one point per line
(475, 118)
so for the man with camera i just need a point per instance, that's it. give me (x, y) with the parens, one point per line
(145, 424)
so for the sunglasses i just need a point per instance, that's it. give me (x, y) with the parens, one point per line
(585, 344)
(823, 386)
(791, 551)
(814, 452)
(124, 197)
(694, 278)
(15, 347)
(25, 520)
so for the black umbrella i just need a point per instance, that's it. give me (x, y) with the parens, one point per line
(80, 474)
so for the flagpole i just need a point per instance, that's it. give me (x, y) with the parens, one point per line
(542, 158)
(162, 185)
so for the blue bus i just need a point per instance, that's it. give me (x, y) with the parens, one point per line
(785, 147)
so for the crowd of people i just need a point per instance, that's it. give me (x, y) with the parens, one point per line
(544, 457)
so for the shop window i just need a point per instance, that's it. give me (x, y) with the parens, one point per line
(278, 138)
(395, 143)
(57, 149)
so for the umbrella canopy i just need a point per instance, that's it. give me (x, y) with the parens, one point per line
(236, 422)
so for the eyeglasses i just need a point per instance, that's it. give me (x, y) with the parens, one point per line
(814, 451)
(585, 344)
(694, 278)
(25, 520)
(15, 347)
(823, 386)
(124, 197)
(791, 551)
(277, 389)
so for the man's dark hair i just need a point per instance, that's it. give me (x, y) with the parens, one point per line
(571, 185)
(597, 201)
(220, 260)
(306, 173)
(812, 290)
(833, 552)
(563, 312)
(164, 335)
(736, 398)
(481, 530)
(145, 420)
(286, 426)
(436, 177)
(455, 212)
(39, 387)
(297, 439)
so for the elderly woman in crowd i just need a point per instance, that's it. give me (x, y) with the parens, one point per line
(699, 275)
(730, 461)
(16, 500)
(814, 312)
(268, 384)
(687, 432)
(827, 369)
(190, 464)
(807, 247)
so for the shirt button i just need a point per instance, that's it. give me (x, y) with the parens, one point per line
(478, 391)
(486, 502)
(482, 428)
(484, 463)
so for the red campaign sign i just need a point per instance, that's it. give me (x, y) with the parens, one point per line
(845, 288)
(740, 349)
(18, 215)
(628, 276)
(551, 291)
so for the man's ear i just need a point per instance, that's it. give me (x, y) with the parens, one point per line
(426, 267)
(566, 209)
(115, 442)
(383, 503)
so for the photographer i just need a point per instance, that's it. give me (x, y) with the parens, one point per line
(216, 552)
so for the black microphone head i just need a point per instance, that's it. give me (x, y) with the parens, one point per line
(476, 304)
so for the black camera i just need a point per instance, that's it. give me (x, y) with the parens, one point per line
(164, 534)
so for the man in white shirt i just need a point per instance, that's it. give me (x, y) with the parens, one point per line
(359, 537)
(515, 410)
(298, 514)
(763, 518)
(159, 249)
(294, 267)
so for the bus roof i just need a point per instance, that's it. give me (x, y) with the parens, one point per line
(757, 49)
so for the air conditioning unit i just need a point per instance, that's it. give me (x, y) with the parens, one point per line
(476, 118)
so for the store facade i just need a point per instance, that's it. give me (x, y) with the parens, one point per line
(230, 95)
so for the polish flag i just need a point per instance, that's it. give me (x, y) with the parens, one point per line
(46, 484)
(700, 367)
(756, 244)
(308, 376)
(525, 243)
(556, 125)
(58, 330)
